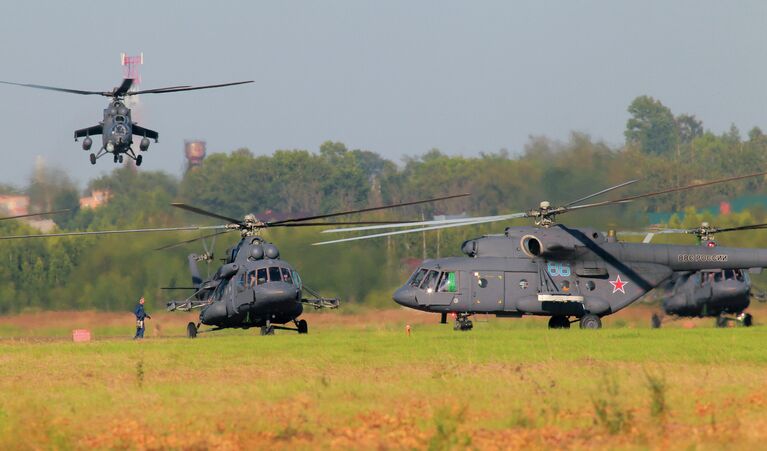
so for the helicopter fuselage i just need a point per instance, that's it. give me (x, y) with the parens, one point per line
(252, 289)
(557, 271)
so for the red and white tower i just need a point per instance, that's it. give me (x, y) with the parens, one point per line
(131, 65)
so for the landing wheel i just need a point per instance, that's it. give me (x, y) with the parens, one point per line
(721, 321)
(116, 158)
(591, 322)
(747, 320)
(267, 330)
(93, 158)
(302, 326)
(120, 158)
(655, 321)
(191, 330)
(463, 323)
(139, 159)
(559, 322)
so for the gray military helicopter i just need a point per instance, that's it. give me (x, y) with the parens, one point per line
(117, 128)
(551, 269)
(723, 294)
(254, 287)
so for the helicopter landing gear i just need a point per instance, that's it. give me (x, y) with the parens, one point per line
(721, 321)
(267, 329)
(655, 321)
(191, 330)
(590, 322)
(302, 326)
(139, 159)
(462, 322)
(746, 319)
(559, 322)
(93, 158)
(120, 158)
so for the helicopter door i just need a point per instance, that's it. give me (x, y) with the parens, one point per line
(487, 291)
(703, 291)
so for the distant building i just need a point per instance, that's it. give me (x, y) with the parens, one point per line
(97, 199)
(14, 204)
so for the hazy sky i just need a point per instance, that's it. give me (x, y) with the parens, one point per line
(395, 77)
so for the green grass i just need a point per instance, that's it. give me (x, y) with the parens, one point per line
(378, 387)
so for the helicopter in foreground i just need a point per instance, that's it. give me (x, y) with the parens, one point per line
(117, 128)
(723, 294)
(551, 269)
(254, 287)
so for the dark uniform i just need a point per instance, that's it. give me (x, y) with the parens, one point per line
(141, 315)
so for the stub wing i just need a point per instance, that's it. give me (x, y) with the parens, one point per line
(90, 131)
(145, 132)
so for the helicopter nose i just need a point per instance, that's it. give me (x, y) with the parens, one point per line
(405, 296)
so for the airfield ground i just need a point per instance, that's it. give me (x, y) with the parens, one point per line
(358, 381)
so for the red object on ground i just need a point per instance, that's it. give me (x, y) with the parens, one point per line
(407, 328)
(81, 335)
(724, 208)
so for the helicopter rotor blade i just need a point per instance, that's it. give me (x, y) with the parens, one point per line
(53, 88)
(607, 190)
(664, 191)
(186, 88)
(426, 229)
(181, 243)
(327, 224)
(409, 224)
(365, 210)
(200, 211)
(123, 88)
(746, 227)
(112, 232)
(54, 212)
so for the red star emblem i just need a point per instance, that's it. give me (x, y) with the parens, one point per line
(618, 284)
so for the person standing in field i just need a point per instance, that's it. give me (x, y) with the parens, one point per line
(141, 315)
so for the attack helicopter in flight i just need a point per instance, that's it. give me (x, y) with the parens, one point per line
(254, 287)
(117, 128)
(723, 294)
(551, 269)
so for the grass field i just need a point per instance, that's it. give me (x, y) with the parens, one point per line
(359, 382)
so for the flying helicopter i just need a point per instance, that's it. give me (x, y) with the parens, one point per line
(551, 269)
(254, 287)
(117, 128)
(723, 294)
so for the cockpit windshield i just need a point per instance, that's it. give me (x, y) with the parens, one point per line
(274, 274)
(430, 282)
(417, 277)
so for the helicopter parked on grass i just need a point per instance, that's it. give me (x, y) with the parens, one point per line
(254, 287)
(117, 128)
(551, 269)
(718, 293)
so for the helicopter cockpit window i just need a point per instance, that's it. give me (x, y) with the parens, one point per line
(252, 279)
(274, 274)
(729, 274)
(241, 280)
(286, 275)
(430, 282)
(718, 276)
(296, 279)
(120, 119)
(447, 282)
(261, 276)
(418, 277)
(218, 294)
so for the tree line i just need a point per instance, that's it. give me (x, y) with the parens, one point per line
(109, 273)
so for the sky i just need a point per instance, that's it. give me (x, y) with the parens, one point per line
(398, 77)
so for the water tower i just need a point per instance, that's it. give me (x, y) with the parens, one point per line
(194, 151)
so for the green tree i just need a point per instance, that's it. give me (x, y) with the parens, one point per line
(651, 126)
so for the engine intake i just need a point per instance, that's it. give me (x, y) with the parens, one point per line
(534, 246)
